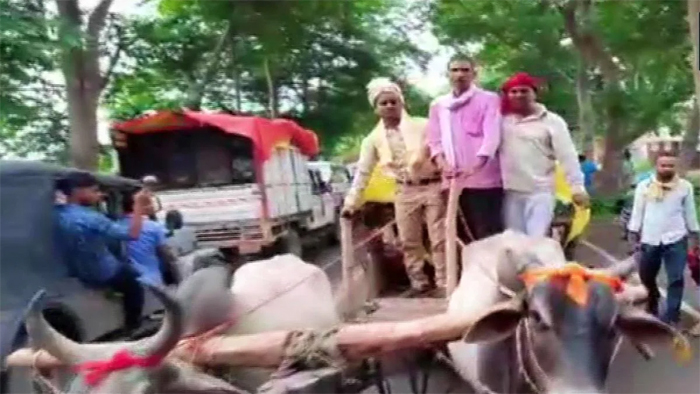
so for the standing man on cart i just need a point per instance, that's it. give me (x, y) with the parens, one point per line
(464, 133)
(534, 140)
(398, 145)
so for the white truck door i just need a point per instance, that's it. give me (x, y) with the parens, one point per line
(323, 203)
(304, 187)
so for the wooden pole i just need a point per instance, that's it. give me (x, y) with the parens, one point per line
(347, 255)
(355, 341)
(451, 237)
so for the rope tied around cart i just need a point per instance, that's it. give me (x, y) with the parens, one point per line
(310, 349)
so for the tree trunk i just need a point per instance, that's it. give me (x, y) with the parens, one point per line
(271, 89)
(239, 93)
(689, 144)
(586, 119)
(694, 23)
(82, 117)
(590, 47)
(236, 76)
(84, 81)
(690, 139)
(196, 90)
(608, 181)
(304, 95)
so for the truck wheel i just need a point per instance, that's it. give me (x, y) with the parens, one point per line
(291, 243)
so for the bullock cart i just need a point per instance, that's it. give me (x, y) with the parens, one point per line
(378, 320)
(381, 328)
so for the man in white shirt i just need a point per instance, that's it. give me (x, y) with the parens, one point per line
(662, 226)
(533, 140)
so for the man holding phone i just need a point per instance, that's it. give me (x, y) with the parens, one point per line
(83, 235)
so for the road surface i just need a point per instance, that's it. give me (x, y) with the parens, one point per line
(630, 373)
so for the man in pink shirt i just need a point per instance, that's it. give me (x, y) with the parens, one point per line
(464, 133)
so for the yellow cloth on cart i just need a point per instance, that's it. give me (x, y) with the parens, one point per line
(380, 188)
(582, 216)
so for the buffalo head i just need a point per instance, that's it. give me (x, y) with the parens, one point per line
(567, 325)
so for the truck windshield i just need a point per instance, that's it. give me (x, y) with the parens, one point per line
(189, 158)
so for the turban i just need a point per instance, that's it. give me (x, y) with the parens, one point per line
(378, 86)
(519, 79)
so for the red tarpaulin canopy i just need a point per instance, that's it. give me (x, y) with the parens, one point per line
(266, 134)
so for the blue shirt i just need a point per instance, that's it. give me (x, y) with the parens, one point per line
(82, 236)
(143, 250)
(588, 168)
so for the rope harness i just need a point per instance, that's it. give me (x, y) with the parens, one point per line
(307, 349)
(528, 366)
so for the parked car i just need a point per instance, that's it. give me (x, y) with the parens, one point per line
(30, 263)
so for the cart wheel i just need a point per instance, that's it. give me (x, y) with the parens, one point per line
(291, 243)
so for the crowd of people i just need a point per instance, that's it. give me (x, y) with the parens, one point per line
(110, 254)
(501, 150)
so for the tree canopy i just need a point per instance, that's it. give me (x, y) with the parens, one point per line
(613, 69)
(630, 57)
(305, 60)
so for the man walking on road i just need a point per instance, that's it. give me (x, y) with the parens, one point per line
(662, 226)
(397, 144)
(534, 139)
(464, 133)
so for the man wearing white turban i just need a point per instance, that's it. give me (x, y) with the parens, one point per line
(398, 145)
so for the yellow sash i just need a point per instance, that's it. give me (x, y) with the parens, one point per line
(582, 216)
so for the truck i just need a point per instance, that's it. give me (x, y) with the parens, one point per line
(240, 182)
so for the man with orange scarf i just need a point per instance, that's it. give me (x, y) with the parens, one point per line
(397, 145)
(533, 140)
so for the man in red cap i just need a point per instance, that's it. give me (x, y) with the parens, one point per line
(533, 140)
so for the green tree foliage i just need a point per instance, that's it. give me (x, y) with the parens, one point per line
(306, 60)
(29, 122)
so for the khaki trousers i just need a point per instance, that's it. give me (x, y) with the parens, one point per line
(415, 205)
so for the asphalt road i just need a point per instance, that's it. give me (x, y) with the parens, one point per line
(629, 374)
